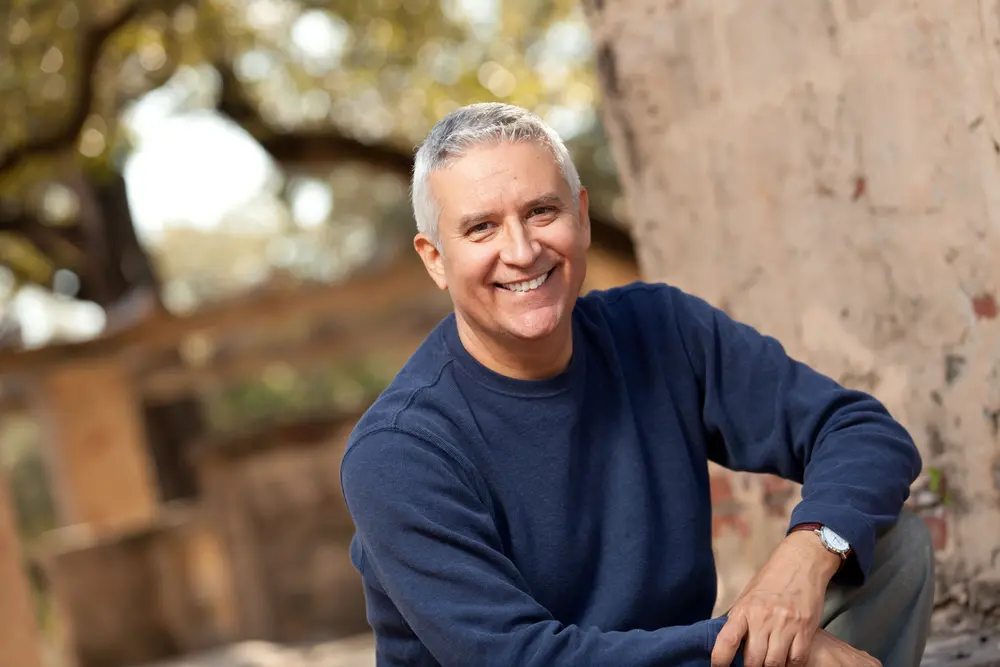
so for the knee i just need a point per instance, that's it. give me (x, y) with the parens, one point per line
(911, 549)
(913, 534)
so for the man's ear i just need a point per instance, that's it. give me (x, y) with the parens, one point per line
(433, 261)
(583, 212)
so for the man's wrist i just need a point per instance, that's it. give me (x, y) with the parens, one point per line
(827, 562)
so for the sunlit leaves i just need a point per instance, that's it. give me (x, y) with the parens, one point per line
(94, 137)
(69, 16)
(59, 205)
(63, 88)
(52, 61)
(395, 66)
(28, 262)
(377, 70)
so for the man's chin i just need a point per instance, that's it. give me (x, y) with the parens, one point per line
(535, 326)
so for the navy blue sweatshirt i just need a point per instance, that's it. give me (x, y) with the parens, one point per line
(566, 522)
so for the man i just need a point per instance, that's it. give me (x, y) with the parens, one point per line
(533, 487)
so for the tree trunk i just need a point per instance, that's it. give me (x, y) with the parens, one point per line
(118, 269)
(117, 263)
(827, 171)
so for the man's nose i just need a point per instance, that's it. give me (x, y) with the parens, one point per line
(519, 248)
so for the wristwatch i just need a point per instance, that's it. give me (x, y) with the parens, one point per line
(830, 540)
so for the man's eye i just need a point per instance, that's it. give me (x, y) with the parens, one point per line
(542, 210)
(481, 228)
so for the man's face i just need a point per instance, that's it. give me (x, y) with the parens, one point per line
(512, 243)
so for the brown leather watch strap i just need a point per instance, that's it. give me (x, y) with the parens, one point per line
(812, 527)
(805, 526)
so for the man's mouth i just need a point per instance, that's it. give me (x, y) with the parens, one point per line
(527, 285)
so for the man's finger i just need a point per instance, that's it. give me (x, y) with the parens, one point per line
(798, 652)
(778, 645)
(755, 649)
(728, 641)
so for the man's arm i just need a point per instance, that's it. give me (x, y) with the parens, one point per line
(768, 413)
(430, 539)
(765, 412)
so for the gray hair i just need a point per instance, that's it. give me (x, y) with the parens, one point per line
(474, 125)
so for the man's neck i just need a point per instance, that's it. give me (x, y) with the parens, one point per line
(519, 359)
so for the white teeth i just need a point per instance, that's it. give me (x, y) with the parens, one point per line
(528, 285)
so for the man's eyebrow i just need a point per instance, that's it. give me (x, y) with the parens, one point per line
(546, 199)
(473, 219)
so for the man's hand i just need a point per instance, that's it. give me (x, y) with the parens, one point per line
(777, 615)
(830, 651)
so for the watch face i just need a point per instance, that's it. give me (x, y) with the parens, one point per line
(834, 541)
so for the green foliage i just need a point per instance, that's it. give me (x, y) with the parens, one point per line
(22, 461)
(936, 480)
(35, 509)
(936, 484)
(382, 71)
(282, 392)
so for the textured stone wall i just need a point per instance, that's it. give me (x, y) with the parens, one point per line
(19, 640)
(144, 594)
(274, 495)
(100, 469)
(827, 171)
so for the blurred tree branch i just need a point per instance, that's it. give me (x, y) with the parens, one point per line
(63, 244)
(327, 146)
(91, 47)
(99, 244)
(302, 147)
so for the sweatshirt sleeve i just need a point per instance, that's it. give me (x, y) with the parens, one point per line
(765, 412)
(431, 542)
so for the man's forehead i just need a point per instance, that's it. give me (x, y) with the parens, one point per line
(520, 172)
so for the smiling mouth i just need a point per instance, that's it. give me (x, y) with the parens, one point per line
(526, 285)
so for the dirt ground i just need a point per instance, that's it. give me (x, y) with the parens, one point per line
(972, 650)
(352, 652)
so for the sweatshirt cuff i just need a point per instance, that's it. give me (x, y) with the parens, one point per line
(712, 629)
(850, 525)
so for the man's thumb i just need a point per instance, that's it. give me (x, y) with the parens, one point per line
(729, 640)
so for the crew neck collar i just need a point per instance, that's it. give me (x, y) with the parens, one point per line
(504, 384)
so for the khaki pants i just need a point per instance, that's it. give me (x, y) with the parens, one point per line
(889, 617)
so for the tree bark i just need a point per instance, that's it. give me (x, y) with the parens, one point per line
(117, 264)
(118, 268)
(828, 172)
(90, 48)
